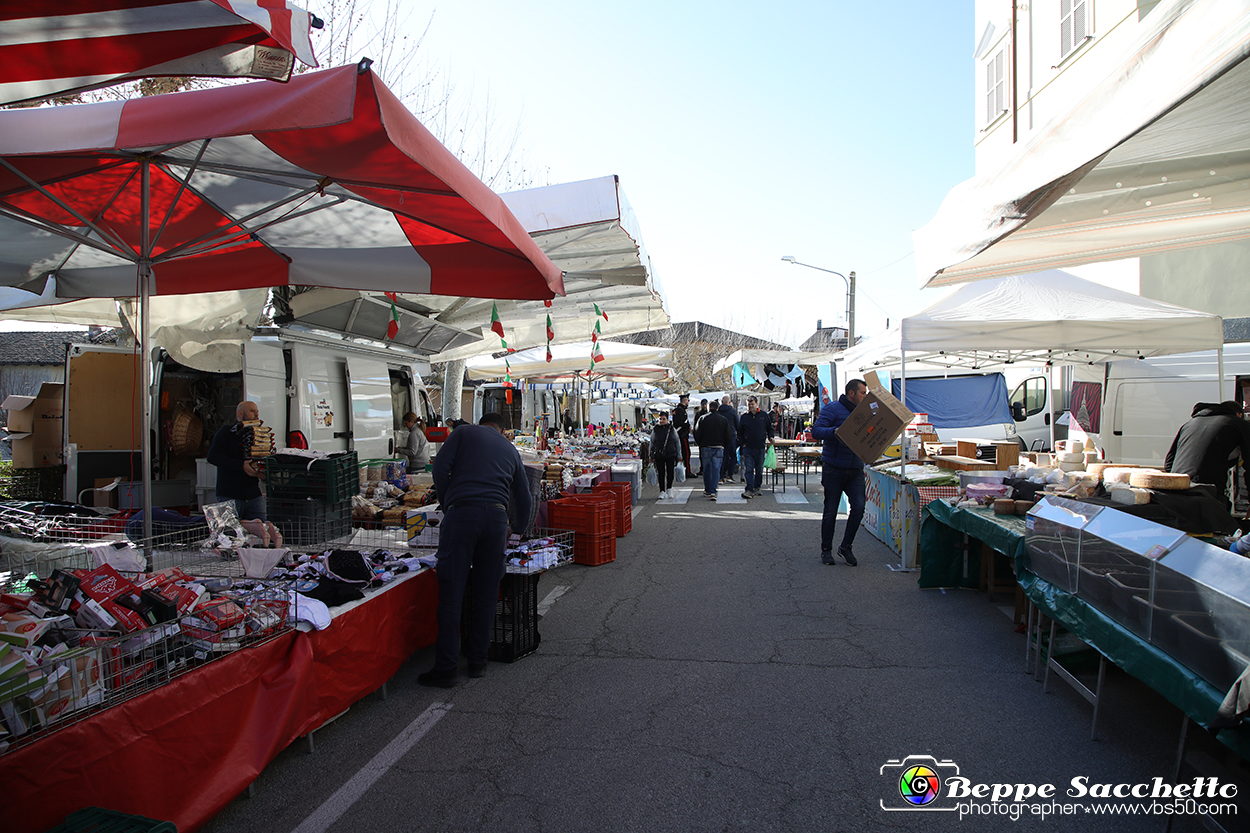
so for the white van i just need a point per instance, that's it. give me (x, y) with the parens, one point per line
(313, 391)
(1132, 409)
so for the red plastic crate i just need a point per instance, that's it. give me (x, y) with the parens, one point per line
(593, 550)
(585, 514)
(621, 492)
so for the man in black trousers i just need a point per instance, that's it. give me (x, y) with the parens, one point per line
(681, 422)
(477, 474)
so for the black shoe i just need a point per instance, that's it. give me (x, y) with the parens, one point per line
(846, 553)
(477, 672)
(826, 557)
(438, 679)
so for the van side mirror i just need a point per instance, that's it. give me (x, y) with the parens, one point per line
(1017, 412)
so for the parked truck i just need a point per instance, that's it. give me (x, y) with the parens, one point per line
(313, 390)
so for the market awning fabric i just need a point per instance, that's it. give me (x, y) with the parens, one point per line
(1155, 158)
(568, 358)
(325, 181)
(57, 47)
(753, 357)
(1046, 317)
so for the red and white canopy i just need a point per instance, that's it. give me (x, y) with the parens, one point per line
(56, 47)
(324, 181)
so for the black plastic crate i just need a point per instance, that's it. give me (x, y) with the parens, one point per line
(304, 522)
(331, 480)
(514, 633)
(98, 820)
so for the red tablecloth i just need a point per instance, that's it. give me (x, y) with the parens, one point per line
(183, 751)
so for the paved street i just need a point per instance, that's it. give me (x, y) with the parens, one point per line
(718, 677)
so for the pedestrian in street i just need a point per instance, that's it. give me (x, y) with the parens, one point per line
(713, 435)
(776, 419)
(730, 413)
(755, 432)
(841, 472)
(478, 474)
(665, 451)
(697, 419)
(681, 422)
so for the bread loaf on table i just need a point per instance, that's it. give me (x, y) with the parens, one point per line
(1004, 506)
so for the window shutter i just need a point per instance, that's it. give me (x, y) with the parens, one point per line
(1073, 25)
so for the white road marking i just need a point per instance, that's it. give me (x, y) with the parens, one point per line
(550, 598)
(345, 796)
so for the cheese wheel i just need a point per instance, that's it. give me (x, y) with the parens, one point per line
(1147, 479)
(1070, 456)
(1090, 456)
(1098, 468)
(1004, 506)
(1120, 474)
(1073, 466)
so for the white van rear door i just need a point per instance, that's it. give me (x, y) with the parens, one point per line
(373, 420)
(322, 409)
(264, 382)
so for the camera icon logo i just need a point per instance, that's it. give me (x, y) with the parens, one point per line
(919, 784)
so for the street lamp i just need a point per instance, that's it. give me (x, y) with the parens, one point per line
(850, 295)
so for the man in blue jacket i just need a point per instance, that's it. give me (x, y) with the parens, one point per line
(841, 472)
(755, 432)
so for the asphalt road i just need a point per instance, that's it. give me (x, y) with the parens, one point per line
(718, 677)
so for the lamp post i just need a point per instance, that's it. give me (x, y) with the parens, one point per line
(850, 296)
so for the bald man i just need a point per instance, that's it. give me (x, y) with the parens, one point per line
(238, 479)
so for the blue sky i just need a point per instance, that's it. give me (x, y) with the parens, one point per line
(740, 133)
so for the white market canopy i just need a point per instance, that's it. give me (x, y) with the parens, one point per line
(752, 357)
(1155, 158)
(1049, 317)
(632, 360)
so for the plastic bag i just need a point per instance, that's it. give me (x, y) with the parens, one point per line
(653, 479)
(679, 473)
(770, 458)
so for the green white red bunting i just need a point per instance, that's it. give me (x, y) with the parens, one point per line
(392, 328)
(495, 324)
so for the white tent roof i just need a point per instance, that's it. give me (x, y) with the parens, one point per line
(570, 359)
(751, 356)
(1045, 317)
(1155, 158)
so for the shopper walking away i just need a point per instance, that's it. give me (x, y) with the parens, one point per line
(697, 419)
(755, 432)
(713, 436)
(478, 474)
(842, 472)
(730, 413)
(681, 422)
(665, 450)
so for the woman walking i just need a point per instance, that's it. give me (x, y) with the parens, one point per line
(665, 449)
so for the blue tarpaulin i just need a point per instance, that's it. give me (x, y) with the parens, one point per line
(958, 401)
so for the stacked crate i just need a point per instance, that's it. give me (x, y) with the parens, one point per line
(311, 501)
(623, 492)
(592, 519)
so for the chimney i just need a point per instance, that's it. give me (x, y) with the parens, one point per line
(818, 323)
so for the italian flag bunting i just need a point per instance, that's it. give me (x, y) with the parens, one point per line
(594, 337)
(392, 327)
(550, 332)
(495, 324)
(596, 354)
(600, 312)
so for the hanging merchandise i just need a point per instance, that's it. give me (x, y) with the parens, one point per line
(742, 375)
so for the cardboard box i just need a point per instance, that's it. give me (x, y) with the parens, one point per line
(874, 425)
(36, 424)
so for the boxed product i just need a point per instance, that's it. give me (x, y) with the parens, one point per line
(35, 424)
(874, 425)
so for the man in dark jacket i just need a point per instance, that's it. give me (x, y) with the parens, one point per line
(755, 431)
(698, 417)
(681, 422)
(238, 478)
(730, 413)
(841, 472)
(1209, 444)
(713, 435)
(477, 474)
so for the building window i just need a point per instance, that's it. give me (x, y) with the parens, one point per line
(1073, 25)
(996, 85)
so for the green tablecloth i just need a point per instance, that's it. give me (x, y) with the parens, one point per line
(942, 527)
(941, 565)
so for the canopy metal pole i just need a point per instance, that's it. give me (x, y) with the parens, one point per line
(145, 350)
(902, 561)
(1219, 360)
(1050, 402)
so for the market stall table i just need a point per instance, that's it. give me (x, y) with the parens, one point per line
(183, 751)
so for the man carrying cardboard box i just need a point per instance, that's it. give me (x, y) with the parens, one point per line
(841, 472)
